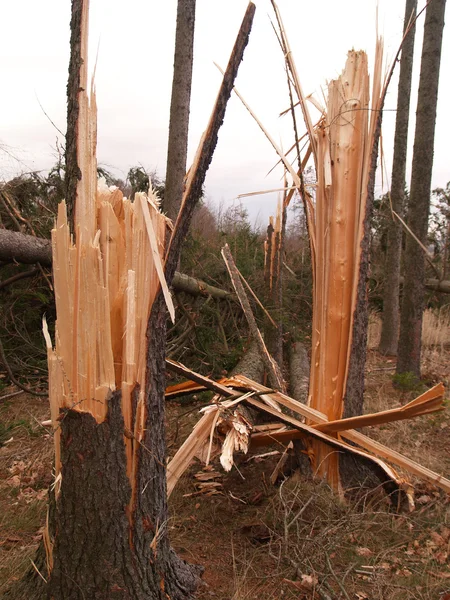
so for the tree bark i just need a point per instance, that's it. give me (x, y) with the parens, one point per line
(391, 303)
(23, 248)
(419, 201)
(179, 108)
(354, 390)
(73, 172)
(104, 546)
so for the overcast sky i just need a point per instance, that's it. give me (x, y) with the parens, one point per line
(135, 42)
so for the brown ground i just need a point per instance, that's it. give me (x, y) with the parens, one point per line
(256, 541)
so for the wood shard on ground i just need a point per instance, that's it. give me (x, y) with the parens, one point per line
(219, 419)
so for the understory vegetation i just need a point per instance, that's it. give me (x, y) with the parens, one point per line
(313, 544)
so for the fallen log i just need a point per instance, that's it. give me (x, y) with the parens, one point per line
(28, 249)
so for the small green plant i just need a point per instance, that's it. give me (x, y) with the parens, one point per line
(407, 382)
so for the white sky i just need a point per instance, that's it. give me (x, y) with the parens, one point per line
(134, 72)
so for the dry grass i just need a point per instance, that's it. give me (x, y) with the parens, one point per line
(343, 550)
(435, 341)
(258, 542)
(435, 328)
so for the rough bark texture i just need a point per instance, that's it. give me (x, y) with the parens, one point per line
(23, 248)
(179, 107)
(391, 303)
(299, 368)
(419, 200)
(354, 391)
(299, 372)
(95, 553)
(251, 364)
(209, 141)
(73, 172)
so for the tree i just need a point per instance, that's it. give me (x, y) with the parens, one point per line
(73, 173)
(442, 195)
(419, 201)
(108, 534)
(179, 107)
(391, 309)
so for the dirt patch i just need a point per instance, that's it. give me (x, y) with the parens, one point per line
(26, 455)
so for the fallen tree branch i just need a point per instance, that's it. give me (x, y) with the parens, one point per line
(368, 444)
(18, 277)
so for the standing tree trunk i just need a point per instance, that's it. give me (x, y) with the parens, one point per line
(179, 108)
(419, 200)
(391, 304)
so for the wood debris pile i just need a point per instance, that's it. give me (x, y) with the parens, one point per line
(221, 430)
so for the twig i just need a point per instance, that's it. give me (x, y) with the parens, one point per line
(341, 587)
(6, 396)
(18, 277)
(12, 377)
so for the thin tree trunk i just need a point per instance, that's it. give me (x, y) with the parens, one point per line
(419, 200)
(179, 108)
(73, 172)
(391, 304)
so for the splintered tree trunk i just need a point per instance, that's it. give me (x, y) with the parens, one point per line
(346, 159)
(391, 288)
(419, 200)
(179, 108)
(107, 533)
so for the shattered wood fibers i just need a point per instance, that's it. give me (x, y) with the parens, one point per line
(106, 278)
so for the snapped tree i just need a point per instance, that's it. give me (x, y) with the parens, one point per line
(107, 534)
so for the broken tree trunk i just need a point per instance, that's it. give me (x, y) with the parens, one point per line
(107, 379)
(77, 74)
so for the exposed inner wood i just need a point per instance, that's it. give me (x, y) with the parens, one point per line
(430, 401)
